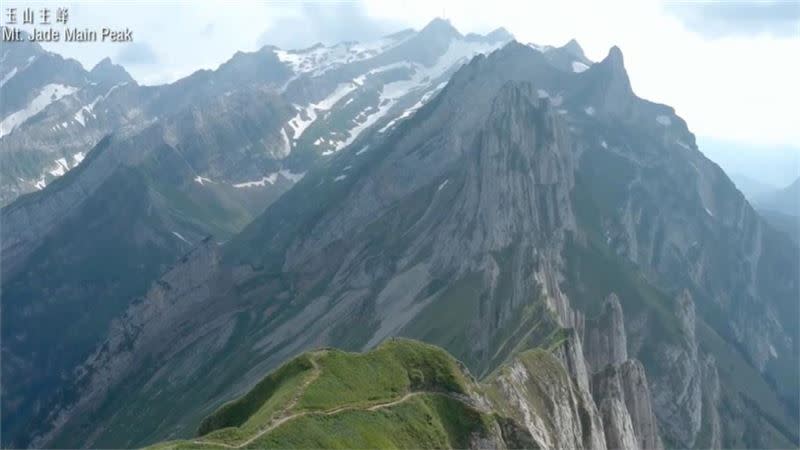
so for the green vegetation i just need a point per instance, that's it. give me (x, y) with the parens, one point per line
(403, 394)
(331, 387)
(267, 397)
(425, 421)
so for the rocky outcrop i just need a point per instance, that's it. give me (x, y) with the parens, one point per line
(540, 394)
(605, 339)
(619, 384)
(639, 404)
(676, 387)
(610, 398)
(711, 399)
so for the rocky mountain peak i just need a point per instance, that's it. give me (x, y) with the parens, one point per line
(610, 87)
(574, 49)
(440, 28)
(106, 71)
(500, 35)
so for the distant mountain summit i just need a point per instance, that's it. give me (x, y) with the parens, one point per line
(785, 200)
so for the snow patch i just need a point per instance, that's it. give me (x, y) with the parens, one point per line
(542, 93)
(61, 167)
(578, 66)
(202, 180)
(424, 99)
(589, 110)
(47, 95)
(271, 179)
(178, 235)
(340, 178)
(320, 59)
(441, 186)
(664, 120)
(78, 158)
(299, 124)
(603, 144)
(709, 212)
(286, 147)
(363, 149)
(293, 177)
(458, 52)
(8, 76)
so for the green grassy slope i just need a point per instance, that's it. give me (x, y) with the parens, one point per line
(403, 394)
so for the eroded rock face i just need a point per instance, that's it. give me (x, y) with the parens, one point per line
(605, 338)
(676, 388)
(617, 423)
(639, 404)
(619, 384)
(540, 394)
(711, 400)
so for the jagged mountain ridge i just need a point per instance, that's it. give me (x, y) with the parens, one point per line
(504, 220)
(387, 77)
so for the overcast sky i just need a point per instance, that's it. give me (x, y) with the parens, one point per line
(730, 68)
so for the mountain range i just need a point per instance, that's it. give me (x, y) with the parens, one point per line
(591, 278)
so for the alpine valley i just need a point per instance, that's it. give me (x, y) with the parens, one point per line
(433, 240)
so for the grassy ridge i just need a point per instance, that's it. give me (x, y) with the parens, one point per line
(265, 398)
(425, 421)
(403, 394)
(335, 388)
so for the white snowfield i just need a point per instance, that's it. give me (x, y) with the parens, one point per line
(459, 52)
(318, 60)
(48, 94)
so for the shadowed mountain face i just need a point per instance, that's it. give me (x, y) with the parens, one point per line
(524, 199)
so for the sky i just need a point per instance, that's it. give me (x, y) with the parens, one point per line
(730, 68)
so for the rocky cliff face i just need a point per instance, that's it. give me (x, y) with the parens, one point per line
(541, 395)
(677, 391)
(606, 342)
(619, 384)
